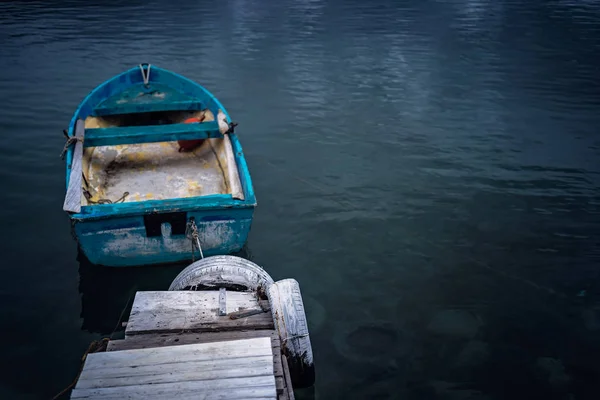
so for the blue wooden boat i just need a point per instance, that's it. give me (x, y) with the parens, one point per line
(153, 165)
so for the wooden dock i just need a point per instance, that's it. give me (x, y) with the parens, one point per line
(191, 344)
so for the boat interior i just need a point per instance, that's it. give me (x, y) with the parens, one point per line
(160, 170)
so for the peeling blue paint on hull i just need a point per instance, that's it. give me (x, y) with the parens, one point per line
(120, 242)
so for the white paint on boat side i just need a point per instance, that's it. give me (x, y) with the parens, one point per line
(212, 234)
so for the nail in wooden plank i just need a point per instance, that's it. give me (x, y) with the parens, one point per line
(222, 302)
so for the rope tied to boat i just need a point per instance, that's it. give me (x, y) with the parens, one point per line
(232, 126)
(70, 140)
(88, 197)
(145, 74)
(191, 231)
(96, 346)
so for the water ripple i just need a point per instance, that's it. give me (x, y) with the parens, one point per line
(434, 153)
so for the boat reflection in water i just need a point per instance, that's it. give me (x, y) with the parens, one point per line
(107, 293)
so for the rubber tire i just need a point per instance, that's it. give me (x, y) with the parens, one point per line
(230, 272)
(290, 322)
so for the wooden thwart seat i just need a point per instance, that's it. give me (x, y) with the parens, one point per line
(139, 98)
(103, 111)
(150, 134)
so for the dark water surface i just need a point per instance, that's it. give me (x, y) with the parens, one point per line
(427, 170)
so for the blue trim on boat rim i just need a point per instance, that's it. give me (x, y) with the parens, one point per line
(188, 87)
(212, 202)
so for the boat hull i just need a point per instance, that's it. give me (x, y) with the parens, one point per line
(139, 240)
(150, 229)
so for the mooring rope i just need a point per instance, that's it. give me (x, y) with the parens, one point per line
(192, 233)
(121, 199)
(96, 346)
(145, 74)
(70, 140)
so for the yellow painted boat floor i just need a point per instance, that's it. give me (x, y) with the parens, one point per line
(154, 171)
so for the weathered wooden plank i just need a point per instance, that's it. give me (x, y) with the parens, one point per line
(150, 133)
(185, 299)
(179, 372)
(254, 394)
(277, 367)
(290, 322)
(176, 376)
(265, 385)
(288, 379)
(74, 191)
(282, 390)
(280, 385)
(233, 394)
(245, 313)
(201, 368)
(155, 312)
(172, 354)
(177, 339)
(198, 322)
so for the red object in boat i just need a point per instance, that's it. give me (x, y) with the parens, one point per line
(189, 145)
